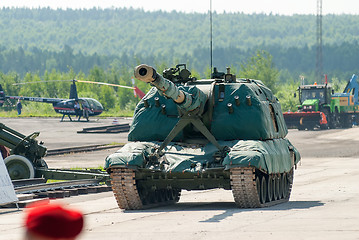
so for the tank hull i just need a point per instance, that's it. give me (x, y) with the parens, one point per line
(265, 168)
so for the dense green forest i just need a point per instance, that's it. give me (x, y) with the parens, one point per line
(339, 60)
(115, 31)
(43, 39)
(105, 45)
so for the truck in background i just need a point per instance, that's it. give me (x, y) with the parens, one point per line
(321, 108)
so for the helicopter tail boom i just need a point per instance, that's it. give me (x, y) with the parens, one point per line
(36, 99)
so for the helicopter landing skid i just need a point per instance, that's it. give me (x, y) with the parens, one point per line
(62, 119)
(78, 120)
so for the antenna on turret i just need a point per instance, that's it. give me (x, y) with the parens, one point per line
(210, 21)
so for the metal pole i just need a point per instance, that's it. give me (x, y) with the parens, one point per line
(211, 42)
(319, 63)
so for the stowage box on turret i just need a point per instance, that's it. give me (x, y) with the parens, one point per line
(203, 134)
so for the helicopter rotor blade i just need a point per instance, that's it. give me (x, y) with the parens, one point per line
(108, 84)
(23, 83)
(137, 91)
(75, 80)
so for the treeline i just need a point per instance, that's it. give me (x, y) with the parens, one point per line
(133, 31)
(338, 61)
(115, 99)
(39, 40)
(121, 101)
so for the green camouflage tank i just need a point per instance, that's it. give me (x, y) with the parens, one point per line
(203, 134)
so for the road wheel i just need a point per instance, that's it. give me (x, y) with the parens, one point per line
(263, 196)
(261, 189)
(152, 197)
(144, 195)
(176, 194)
(269, 189)
(19, 167)
(258, 185)
(282, 185)
(168, 194)
(275, 188)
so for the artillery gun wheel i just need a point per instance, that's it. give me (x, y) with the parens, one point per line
(130, 195)
(19, 167)
(253, 189)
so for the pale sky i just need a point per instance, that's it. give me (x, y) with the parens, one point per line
(286, 7)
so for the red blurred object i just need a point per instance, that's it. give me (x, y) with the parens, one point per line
(53, 221)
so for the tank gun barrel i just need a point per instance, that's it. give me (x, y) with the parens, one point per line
(185, 100)
(148, 74)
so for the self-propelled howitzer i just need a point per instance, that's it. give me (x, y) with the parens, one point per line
(203, 134)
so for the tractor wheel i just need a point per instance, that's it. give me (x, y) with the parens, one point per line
(333, 122)
(324, 126)
(301, 128)
(346, 121)
(19, 167)
(335, 119)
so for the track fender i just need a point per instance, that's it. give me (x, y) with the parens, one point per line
(132, 154)
(270, 156)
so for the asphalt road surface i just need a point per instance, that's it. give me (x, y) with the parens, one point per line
(324, 203)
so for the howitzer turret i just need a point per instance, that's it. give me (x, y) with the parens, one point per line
(186, 100)
(203, 134)
(190, 101)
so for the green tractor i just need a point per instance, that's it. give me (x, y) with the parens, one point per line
(321, 108)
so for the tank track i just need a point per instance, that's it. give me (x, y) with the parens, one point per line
(254, 189)
(129, 196)
(250, 189)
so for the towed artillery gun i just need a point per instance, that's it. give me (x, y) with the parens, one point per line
(26, 153)
(203, 134)
(26, 159)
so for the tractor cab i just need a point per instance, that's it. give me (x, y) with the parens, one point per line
(311, 97)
